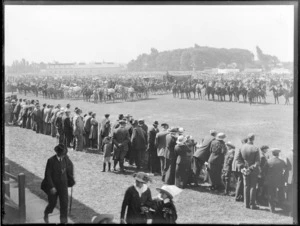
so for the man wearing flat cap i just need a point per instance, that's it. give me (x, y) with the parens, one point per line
(249, 160)
(116, 124)
(275, 169)
(261, 194)
(151, 149)
(59, 175)
(202, 154)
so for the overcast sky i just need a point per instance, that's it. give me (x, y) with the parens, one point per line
(121, 33)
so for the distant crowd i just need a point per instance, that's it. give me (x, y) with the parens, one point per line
(166, 151)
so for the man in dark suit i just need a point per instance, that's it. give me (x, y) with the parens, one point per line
(160, 143)
(261, 187)
(120, 143)
(249, 160)
(138, 144)
(17, 110)
(58, 177)
(275, 169)
(87, 129)
(37, 114)
(43, 125)
(47, 115)
(151, 149)
(117, 124)
(67, 128)
(202, 155)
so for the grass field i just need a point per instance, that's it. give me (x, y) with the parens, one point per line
(103, 192)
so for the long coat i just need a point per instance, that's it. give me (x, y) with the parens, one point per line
(120, 136)
(154, 162)
(215, 162)
(170, 156)
(183, 165)
(94, 129)
(134, 203)
(275, 172)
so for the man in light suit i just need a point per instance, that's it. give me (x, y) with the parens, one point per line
(275, 169)
(249, 159)
(47, 113)
(160, 143)
(78, 130)
(53, 119)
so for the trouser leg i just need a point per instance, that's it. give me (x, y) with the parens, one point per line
(52, 200)
(253, 183)
(247, 191)
(63, 202)
(162, 164)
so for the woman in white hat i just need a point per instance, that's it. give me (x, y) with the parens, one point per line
(137, 201)
(218, 150)
(165, 211)
(183, 162)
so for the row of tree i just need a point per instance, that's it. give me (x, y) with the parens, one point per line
(23, 66)
(199, 58)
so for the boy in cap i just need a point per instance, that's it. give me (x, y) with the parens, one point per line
(107, 149)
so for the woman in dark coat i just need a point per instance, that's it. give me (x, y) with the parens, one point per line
(215, 162)
(183, 162)
(94, 131)
(137, 201)
(165, 211)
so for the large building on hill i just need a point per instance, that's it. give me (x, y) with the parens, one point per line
(84, 69)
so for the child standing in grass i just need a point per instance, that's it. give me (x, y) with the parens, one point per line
(107, 148)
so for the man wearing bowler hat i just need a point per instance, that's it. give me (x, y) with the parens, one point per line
(139, 145)
(248, 161)
(58, 177)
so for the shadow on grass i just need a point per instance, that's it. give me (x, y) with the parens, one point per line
(80, 213)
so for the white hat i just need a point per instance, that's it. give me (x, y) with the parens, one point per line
(220, 136)
(181, 139)
(180, 130)
(170, 190)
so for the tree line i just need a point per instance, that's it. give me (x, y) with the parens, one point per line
(200, 58)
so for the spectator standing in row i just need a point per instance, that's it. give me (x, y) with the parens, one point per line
(227, 167)
(17, 111)
(183, 162)
(78, 130)
(93, 136)
(249, 161)
(138, 144)
(12, 107)
(154, 166)
(120, 140)
(59, 126)
(104, 129)
(38, 119)
(261, 194)
(216, 159)
(170, 157)
(239, 188)
(29, 115)
(202, 155)
(160, 143)
(47, 128)
(275, 169)
(87, 129)
(67, 128)
(289, 180)
(53, 120)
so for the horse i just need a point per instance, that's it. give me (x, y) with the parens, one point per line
(87, 93)
(210, 90)
(276, 93)
(243, 91)
(287, 94)
(221, 92)
(230, 91)
(174, 90)
(109, 94)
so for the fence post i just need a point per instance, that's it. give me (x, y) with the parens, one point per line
(6, 178)
(22, 204)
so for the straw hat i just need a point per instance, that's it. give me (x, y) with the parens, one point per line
(229, 144)
(170, 190)
(220, 136)
(180, 130)
(142, 177)
(181, 139)
(98, 219)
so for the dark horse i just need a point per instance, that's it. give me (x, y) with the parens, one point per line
(276, 93)
(210, 90)
(221, 92)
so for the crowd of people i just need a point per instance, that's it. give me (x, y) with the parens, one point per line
(261, 179)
